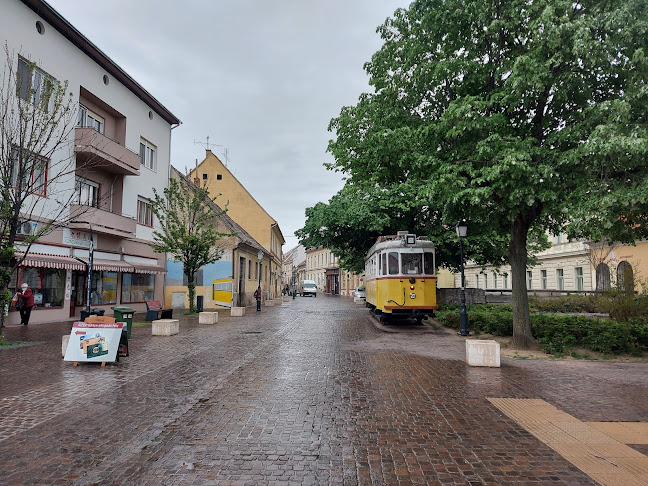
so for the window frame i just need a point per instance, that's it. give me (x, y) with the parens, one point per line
(148, 153)
(560, 279)
(29, 186)
(580, 278)
(148, 212)
(41, 84)
(79, 183)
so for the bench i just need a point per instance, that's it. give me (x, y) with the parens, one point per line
(154, 311)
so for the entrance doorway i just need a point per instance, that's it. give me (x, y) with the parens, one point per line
(77, 296)
(241, 282)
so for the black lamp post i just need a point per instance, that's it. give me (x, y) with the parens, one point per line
(462, 229)
(260, 257)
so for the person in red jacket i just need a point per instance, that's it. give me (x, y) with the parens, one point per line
(28, 297)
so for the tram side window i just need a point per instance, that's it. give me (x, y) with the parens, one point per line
(412, 263)
(428, 263)
(393, 263)
(384, 263)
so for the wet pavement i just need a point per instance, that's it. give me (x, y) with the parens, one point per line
(310, 392)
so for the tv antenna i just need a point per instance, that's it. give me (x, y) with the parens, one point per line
(206, 145)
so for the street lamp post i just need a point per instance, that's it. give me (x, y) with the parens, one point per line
(260, 257)
(462, 229)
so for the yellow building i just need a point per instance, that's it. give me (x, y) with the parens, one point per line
(245, 210)
(230, 281)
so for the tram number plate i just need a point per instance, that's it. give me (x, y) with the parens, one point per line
(412, 295)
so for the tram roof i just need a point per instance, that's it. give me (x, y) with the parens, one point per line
(398, 241)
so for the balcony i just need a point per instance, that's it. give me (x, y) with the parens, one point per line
(94, 150)
(104, 222)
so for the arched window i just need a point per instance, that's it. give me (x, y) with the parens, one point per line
(625, 277)
(602, 277)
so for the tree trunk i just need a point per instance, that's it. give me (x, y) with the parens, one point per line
(522, 336)
(192, 295)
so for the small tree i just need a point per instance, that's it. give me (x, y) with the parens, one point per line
(186, 214)
(37, 163)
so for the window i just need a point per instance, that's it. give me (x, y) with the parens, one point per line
(412, 263)
(476, 281)
(47, 285)
(428, 263)
(485, 281)
(148, 154)
(34, 85)
(87, 192)
(494, 280)
(104, 288)
(88, 119)
(506, 280)
(529, 279)
(144, 213)
(219, 177)
(249, 269)
(559, 238)
(256, 270)
(560, 279)
(137, 287)
(393, 263)
(543, 280)
(30, 169)
(625, 277)
(580, 285)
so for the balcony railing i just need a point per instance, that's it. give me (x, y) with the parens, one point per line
(96, 150)
(103, 221)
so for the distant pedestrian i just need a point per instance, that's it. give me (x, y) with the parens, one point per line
(25, 303)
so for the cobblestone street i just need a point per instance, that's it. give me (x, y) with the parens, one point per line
(309, 392)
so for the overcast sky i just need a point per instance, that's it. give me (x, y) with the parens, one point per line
(261, 78)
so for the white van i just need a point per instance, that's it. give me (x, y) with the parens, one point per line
(308, 287)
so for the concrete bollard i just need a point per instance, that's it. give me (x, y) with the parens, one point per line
(237, 311)
(482, 352)
(166, 327)
(269, 303)
(208, 318)
(278, 301)
(286, 298)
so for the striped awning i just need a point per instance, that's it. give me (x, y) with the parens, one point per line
(148, 268)
(108, 265)
(50, 261)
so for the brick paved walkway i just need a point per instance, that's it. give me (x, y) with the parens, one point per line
(309, 392)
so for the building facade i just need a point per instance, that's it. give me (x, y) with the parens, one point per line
(569, 266)
(124, 134)
(245, 210)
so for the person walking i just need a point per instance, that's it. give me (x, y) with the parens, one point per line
(25, 303)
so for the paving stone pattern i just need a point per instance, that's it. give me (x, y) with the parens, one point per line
(310, 392)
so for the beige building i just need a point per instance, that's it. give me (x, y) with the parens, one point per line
(323, 267)
(245, 210)
(568, 266)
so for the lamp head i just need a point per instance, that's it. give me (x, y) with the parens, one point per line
(462, 228)
(260, 255)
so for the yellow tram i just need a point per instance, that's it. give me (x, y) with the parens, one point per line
(400, 276)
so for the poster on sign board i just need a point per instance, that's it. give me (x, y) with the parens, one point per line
(90, 341)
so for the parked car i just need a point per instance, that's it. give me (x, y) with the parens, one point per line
(308, 287)
(360, 293)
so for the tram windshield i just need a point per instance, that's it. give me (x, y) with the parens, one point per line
(412, 263)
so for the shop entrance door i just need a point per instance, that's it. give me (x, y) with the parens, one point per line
(77, 297)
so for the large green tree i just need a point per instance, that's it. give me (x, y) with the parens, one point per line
(520, 116)
(186, 214)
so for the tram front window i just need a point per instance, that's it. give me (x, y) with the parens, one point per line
(428, 263)
(393, 263)
(412, 263)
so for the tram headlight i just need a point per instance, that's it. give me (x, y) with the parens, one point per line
(411, 287)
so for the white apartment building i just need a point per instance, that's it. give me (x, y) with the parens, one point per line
(125, 133)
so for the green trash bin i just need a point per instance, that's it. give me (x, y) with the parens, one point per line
(124, 314)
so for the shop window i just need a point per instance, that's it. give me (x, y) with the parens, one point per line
(47, 285)
(104, 288)
(138, 287)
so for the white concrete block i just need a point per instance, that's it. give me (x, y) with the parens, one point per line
(278, 301)
(64, 343)
(269, 303)
(237, 311)
(286, 298)
(482, 352)
(208, 318)
(166, 327)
